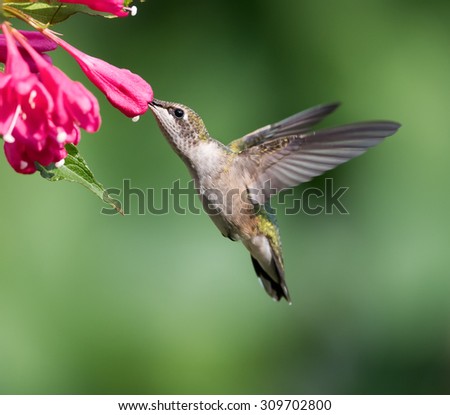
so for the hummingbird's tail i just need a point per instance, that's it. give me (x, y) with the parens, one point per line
(274, 285)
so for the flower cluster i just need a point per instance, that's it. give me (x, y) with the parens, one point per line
(39, 114)
(42, 109)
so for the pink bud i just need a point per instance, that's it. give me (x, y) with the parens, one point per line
(126, 91)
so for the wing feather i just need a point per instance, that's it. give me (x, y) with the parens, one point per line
(293, 125)
(291, 160)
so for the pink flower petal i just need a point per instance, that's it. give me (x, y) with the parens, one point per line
(21, 91)
(37, 40)
(125, 90)
(16, 154)
(73, 102)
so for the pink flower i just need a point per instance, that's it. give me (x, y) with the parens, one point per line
(37, 40)
(22, 97)
(74, 104)
(116, 7)
(125, 90)
(40, 113)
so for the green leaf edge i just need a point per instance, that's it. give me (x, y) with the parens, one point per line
(76, 170)
(54, 12)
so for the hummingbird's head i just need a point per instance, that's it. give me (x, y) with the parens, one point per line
(182, 126)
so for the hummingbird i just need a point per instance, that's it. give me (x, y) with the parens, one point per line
(236, 181)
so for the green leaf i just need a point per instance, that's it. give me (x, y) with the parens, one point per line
(54, 12)
(76, 170)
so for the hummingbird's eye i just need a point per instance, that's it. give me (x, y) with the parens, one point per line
(178, 112)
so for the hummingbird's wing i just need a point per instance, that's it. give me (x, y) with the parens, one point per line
(288, 161)
(295, 124)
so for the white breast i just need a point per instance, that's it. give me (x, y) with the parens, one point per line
(207, 159)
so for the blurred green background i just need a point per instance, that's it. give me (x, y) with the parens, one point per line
(95, 304)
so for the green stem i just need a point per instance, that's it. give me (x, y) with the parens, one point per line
(2, 16)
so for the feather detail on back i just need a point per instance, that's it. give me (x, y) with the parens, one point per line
(295, 124)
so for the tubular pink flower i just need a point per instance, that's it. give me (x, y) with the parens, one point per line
(40, 113)
(74, 104)
(24, 102)
(116, 7)
(126, 91)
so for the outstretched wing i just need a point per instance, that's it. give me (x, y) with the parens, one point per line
(288, 161)
(293, 125)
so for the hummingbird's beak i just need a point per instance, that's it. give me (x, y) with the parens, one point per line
(157, 108)
(156, 103)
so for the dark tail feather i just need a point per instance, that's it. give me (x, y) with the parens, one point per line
(276, 289)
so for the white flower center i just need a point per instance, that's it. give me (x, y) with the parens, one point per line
(8, 137)
(33, 95)
(132, 10)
